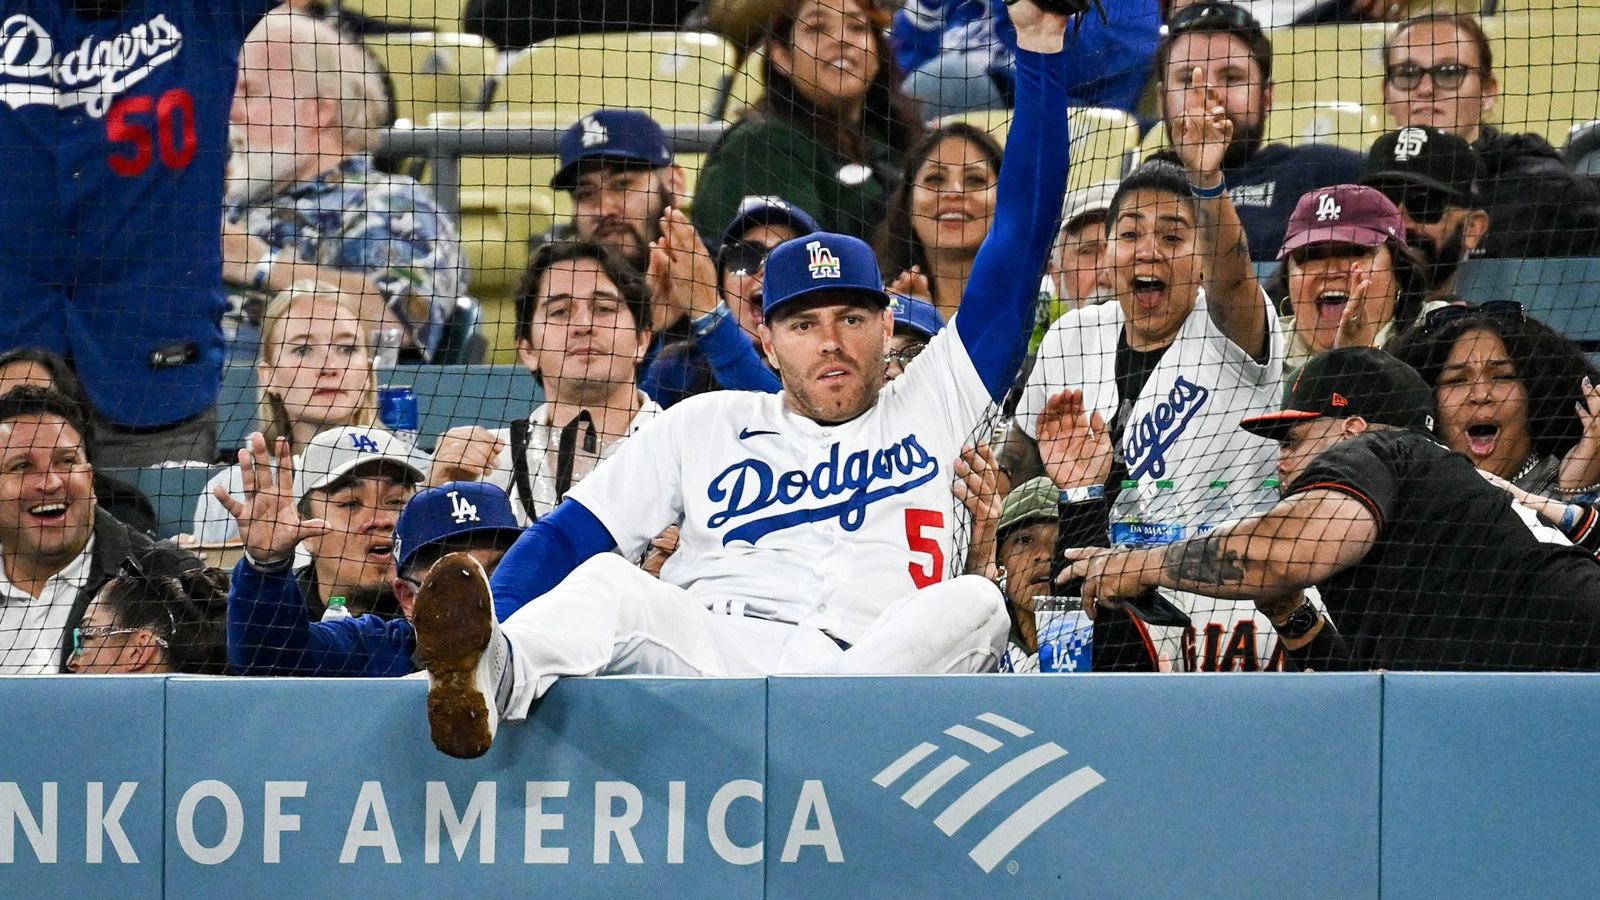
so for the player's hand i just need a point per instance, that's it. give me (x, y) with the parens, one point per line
(661, 548)
(1201, 132)
(269, 522)
(681, 268)
(981, 488)
(1364, 314)
(1042, 28)
(1549, 509)
(465, 453)
(1580, 468)
(1108, 575)
(912, 283)
(1074, 447)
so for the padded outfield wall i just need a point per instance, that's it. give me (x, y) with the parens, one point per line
(1252, 785)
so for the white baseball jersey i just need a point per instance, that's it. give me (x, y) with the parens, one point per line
(786, 518)
(1184, 428)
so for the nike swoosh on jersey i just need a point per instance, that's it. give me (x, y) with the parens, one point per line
(746, 433)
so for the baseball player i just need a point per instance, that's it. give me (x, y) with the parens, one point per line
(115, 114)
(818, 524)
(1159, 377)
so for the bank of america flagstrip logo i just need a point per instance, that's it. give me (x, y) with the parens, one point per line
(1025, 820)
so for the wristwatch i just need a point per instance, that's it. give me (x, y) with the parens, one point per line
(1300, 622)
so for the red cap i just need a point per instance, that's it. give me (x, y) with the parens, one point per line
(1343, 214)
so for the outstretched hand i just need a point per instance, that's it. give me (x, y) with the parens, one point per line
(1580, 468)
(1042, 24)
(681, 268)
(1363, 315)
(1202, 131)
(269, 522)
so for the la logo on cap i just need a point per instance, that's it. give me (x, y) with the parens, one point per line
(1409, 143)
(364, 443)
(594, 134)
(823, 263)
(461, 509)
(1328, 209)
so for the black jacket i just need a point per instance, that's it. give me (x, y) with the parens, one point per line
(114, 542)
(1537, 206)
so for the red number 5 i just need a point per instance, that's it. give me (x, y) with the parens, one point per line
(917, 520)
(173, 134)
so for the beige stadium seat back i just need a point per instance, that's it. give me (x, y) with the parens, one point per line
(677, 77)
(1103, 140)
(429, 15)
(434, 72)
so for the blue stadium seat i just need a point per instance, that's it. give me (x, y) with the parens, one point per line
(1562, 293)
(173, 490)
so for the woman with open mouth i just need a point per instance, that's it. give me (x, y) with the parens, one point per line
(1514, 396)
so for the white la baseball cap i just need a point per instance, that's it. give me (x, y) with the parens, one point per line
(337, 452)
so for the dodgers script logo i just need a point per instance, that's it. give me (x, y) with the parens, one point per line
(90, 75)
(1144, 450)
(749, 487)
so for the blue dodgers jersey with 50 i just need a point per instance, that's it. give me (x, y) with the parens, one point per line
(825, 525)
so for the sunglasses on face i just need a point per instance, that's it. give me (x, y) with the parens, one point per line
(1504, 310)
(743, 257)
(1446, 77)
(1421, 204)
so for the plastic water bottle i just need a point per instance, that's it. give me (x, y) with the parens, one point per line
(1215, 509)
(1163, 518)
(1127, 514)
(336, 610)
(1066, 635)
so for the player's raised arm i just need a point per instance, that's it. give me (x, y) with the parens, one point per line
(993, 322)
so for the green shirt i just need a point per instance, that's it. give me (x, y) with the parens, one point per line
(764, 157)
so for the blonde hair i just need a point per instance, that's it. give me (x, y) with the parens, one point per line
(337, 68)
(275, 419)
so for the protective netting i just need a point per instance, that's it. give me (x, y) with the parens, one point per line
(492, 242)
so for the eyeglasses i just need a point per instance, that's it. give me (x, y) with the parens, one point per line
(743, 257)
(1211, 17)
(100, 632)
(1504, 310)
(1446, 76)
(904, 357)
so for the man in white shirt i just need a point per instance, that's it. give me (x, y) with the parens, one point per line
(583, 326)
(56, 547)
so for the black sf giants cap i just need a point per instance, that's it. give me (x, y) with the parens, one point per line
(1349, 382)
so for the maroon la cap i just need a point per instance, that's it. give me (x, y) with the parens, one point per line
(1343, 214)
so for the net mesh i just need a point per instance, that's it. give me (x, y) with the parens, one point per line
(509, 234)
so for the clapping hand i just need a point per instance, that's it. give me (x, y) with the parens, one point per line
(1074, 447)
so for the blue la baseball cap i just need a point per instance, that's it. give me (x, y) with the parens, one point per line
(817, 263)
(756, 211)
(915, 314)
(452, 510)
(613, 135)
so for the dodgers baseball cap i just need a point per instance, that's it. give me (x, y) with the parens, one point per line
(1034, 500)
(1343, 214)
(754, 212)
(915, 315)
(1348, 382)
(625, 136)
(818, 263)
(339, 452)
(455, 509)
(1425, 157)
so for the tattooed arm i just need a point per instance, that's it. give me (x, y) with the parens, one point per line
(1303, 540)
(1200, 134)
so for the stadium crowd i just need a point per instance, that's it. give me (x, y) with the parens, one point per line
(1367, 471)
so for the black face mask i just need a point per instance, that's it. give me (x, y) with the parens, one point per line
(1442, 261)
(99, 9)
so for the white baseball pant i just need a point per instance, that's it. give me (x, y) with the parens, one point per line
(609, 617)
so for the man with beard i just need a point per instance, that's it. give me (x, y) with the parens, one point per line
(1433, 176)
(306, 202)
(1222, 44)
(617, 165)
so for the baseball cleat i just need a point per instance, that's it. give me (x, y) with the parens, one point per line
(459, 643)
